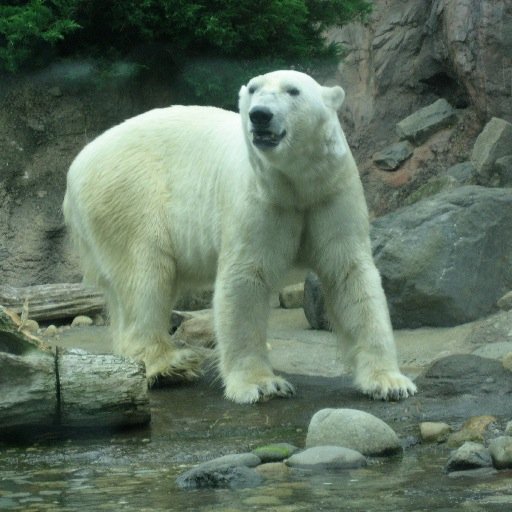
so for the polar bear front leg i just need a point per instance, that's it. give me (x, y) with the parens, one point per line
(357, 305)
(241, 305)
(341, 254)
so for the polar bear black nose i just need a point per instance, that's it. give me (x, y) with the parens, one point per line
(260, 116)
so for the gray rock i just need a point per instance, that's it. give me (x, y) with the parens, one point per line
(236, 459)
(432, 187)
(275, 452)
(432, 431)
(314, 306)
(505, 302)
(292, 296)
(503, 170)
(353, 429)
(393, 156)
(478, 473)
(494, 142)
(233, 477)
(446, 260)
(464, 374)
(501, 452)
(508, 429)
(327, 457)
(232, 471)
(463, 173)
(421, 124)
(469, 456)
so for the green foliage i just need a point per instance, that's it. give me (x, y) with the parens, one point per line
(211, 42)
(34, 23)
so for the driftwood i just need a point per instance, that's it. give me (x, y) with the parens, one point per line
(41, 386)
(53, 301)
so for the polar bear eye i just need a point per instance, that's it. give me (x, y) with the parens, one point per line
(293, 91)
(251, 89)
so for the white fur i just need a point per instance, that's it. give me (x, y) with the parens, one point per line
(179, 197)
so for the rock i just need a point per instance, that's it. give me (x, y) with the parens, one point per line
(505, 302)
(445, 260)
(494, 142)
(392, 157)
(237, 459)
(196, 329)
(463, 173)
(479, 473)
(508, 429)
(99, 320)
(421, 124)
(503, 170)
(292, 296)
(195, 301)
(233, 471)
(273, 471)
(496, 350)
(314, 307)
(469, 456)
(464, 374)
(275, 452)
(81, 321)
(501, 452)
(353, 429)
(473, 429)
(434, 431)
(430, 188)
(507, 362)
(234, 477)
(51, 331)
(327, 457)
(29, 325)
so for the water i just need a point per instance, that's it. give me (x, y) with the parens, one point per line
(136, 470)
(132, 475)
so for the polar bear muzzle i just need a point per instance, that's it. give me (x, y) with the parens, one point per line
(265, 134)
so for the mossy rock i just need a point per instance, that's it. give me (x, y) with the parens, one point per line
(275, 452)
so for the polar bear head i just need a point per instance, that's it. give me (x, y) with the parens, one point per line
(284, 111)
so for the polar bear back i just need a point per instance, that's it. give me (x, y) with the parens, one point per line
(164, 180)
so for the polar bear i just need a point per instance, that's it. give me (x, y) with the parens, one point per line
(183, 196)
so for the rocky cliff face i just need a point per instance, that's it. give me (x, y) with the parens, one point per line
(409, 54)
(413, 51)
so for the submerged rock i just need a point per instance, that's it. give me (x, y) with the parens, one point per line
(469, 456)
(327, 457)
(234, 477)
(501, 452)
(233, 471)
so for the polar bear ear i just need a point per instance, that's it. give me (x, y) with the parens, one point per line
(333, 96)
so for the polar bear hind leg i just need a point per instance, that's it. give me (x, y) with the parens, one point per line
(140, 322)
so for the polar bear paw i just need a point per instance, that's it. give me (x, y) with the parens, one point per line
(177, 364)
(249, 389)
(386, 385)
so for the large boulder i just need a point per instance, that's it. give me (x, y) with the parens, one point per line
(446, 260)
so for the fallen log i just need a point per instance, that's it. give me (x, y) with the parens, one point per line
(53, 301)
(46, 387)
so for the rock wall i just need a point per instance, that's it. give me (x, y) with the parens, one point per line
(406, 56)
(414, 51)
(45, 119)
